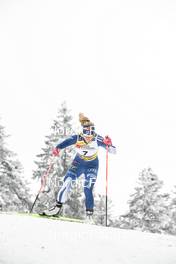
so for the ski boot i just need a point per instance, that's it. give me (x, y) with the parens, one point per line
(89, 216)
(53, 211)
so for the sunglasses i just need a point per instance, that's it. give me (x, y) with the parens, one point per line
(89, 131)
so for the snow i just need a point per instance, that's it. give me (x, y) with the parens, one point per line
(29, 240)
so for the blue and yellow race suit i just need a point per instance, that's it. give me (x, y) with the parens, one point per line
(85, 162)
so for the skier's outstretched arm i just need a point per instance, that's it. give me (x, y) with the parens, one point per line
(104, 142)
(67, 142)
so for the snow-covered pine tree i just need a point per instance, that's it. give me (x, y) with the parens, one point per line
(100, 210)
(61, 128)
(14, 194)
(172, 210)
(148, 208)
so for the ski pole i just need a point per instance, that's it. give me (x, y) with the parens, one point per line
(43, 183)
(106, 219)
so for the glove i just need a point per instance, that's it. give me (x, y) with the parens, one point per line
(55, 152)
(107, 141)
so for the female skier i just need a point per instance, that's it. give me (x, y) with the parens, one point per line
(85, 162)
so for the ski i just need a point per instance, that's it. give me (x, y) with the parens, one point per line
(57, 218)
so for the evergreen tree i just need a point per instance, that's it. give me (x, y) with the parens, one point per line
(14, 195)
(172, 210)
(100, 210)
(61, 128)
(148, 209)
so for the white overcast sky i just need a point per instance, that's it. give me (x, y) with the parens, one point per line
(113, 60)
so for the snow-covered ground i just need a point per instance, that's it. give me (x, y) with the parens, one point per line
(28, 240)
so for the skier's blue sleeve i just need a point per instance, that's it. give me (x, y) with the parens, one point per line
(67, 142)
(111, 149)
(100, 141)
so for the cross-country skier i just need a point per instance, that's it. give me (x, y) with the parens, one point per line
(85, 162)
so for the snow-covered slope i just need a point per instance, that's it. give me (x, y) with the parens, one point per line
(27, 240)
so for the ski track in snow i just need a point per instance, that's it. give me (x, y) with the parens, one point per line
(28, 240)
